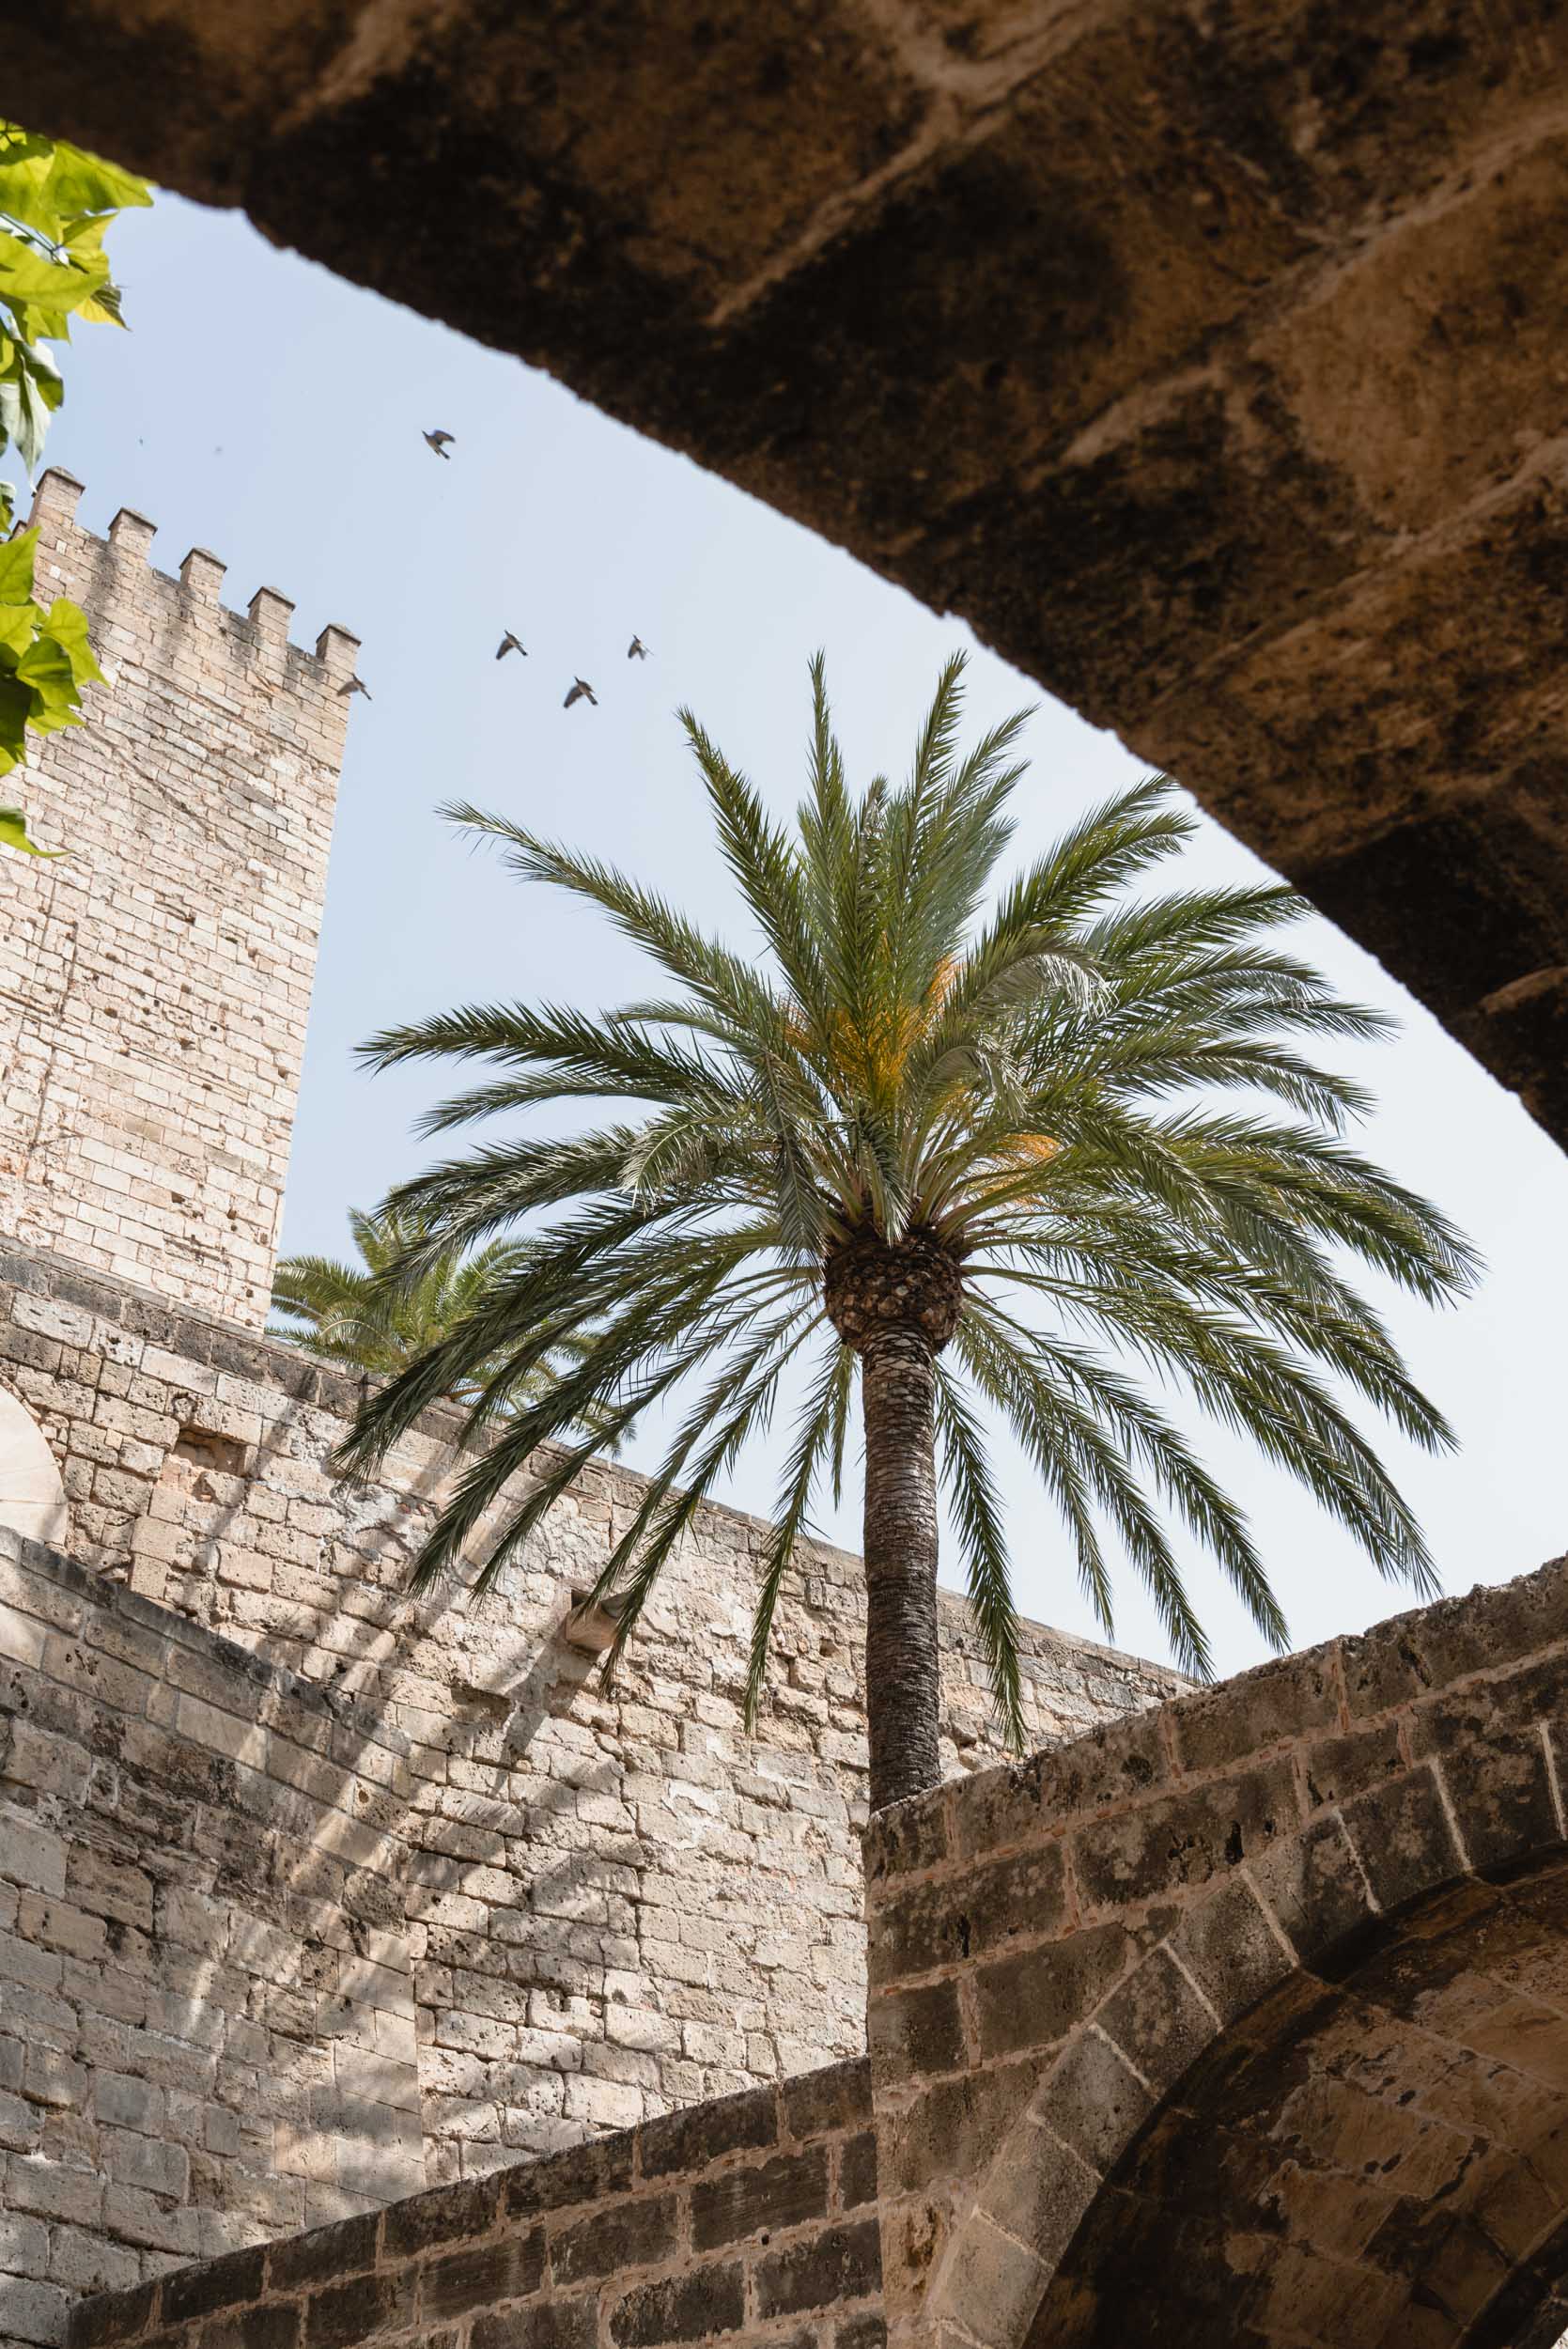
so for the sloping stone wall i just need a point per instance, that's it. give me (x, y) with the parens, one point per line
(1323, 1906)
(591, 1905)
(207, 1999)
(750, 2221)
(153, 1001)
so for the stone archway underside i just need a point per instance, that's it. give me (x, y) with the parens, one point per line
(1376, 2155)
(1209, 361)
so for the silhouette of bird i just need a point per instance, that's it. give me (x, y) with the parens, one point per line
(355, 685)
(636, 650)
(581, 691)
(510, 644)
(438, 441)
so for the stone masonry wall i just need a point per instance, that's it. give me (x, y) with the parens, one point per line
(617, 1901)
(152, 1004)
(207, 2007)
(752, 2221)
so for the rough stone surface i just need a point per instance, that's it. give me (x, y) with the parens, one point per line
(1253, 2008)
(452, 1904)
(669, 2234)
(153, 999)
(1207, 361)
(207, 1987)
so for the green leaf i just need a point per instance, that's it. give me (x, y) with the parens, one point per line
(26, 396)
(81, 182)
(46, 668)
(26, 276)
(16, 568)
(104, 307)
(13, 834)
(18, 625)
(16, 706)
(67, 624)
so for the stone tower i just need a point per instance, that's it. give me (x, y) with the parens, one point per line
(154, 984)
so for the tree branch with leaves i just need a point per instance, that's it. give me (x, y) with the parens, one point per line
(57, 204)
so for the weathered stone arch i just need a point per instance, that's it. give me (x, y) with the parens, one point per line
(32, 1497)
(1317, 2091)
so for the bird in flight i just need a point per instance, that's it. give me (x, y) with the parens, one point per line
(510, 644)
(438, 441)
(581, 691)
(636, 650)
(355, 685)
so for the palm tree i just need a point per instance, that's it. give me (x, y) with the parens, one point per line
(352, 1313)
(982, 1160)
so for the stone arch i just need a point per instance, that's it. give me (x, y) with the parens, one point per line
(1427, 1922)
(32, 1497)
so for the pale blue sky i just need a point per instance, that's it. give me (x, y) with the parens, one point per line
(264, 410)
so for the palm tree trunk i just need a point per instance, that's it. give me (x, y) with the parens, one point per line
(903, 1666)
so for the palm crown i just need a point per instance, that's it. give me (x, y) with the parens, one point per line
(352, 1313)
(986, 1157)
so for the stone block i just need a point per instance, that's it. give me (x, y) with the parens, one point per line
(915, 2032)
(449, 2214)
(698, 2305)
(344, 2314)
(459, 2282)
(1178, 1843)
(32, 2311)
(1315, 1888)
(1403, 1838)
(787, 2191)
(640, 2234)
(1158, 2020)
(836, 2096)
(995, 2283)
(1496, 1774)
(550, 2324)
(1233, 1952)
(1034, 1998)
(686, 2140)
(218, 2284)
(325, 2254)
(836, 2265)
(1092, 2101)
(933, 1924)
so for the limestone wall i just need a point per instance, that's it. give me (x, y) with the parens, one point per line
(615, 1900)
(752, 2221)
(154, 984)
(207, 2000)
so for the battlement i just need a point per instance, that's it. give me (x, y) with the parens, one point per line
(155, 982)
(192, 596)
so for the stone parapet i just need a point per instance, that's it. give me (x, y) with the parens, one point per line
(751, 2219)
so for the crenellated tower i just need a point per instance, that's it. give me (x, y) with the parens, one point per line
(154, 984)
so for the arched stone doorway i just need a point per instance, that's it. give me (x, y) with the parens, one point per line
(1375, 2154)
(1244, 2022)
(32, 1498)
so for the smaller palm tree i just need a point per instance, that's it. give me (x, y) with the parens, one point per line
(352, 1313)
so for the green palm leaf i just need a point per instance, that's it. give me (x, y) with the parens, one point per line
(1026, 1156)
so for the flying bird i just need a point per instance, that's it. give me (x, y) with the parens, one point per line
(438, 441)
(636, 650)
(510, 644)
(581, 691)
(355, 685)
